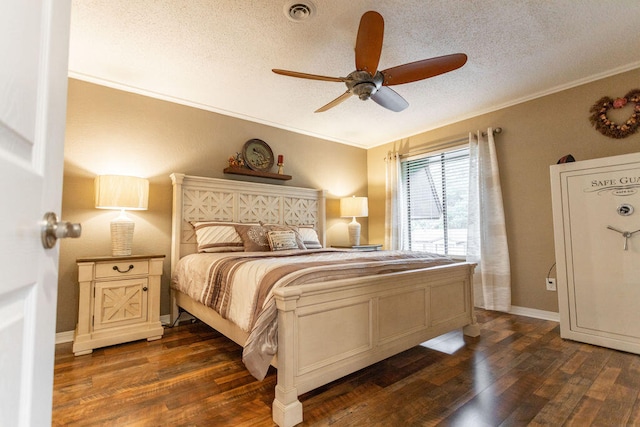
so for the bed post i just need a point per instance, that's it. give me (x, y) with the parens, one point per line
(287, 409)
(322, 217)
(176, 234)
(472, 329)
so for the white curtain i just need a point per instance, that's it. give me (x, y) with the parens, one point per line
(393, 203)
(487, 237)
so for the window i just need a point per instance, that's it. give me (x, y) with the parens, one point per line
(436, 191)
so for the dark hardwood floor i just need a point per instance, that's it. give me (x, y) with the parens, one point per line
(518, 372)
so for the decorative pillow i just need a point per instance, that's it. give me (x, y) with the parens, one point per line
(309, 237)
(282, 240)
(277, 227)
(254, 237)
(214, 236)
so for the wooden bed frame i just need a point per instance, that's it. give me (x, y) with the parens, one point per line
(325, 330)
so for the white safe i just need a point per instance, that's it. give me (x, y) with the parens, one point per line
(596, 218)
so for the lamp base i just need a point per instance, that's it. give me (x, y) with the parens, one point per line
(121, 235)
(354, 232)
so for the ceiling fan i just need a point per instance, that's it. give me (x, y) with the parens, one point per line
(369, 82)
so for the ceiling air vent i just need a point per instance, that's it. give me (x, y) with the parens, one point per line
(298, 11)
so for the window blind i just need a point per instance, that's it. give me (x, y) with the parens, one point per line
(436, 188)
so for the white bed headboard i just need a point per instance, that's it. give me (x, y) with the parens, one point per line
(198, 198)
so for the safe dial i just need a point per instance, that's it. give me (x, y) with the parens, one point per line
(625, 209)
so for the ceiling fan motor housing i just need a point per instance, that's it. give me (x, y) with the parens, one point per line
(362, 84)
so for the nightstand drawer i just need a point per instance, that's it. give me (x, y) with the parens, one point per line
(121, 269)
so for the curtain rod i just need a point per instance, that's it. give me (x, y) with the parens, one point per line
(445, 144)
(495, 131)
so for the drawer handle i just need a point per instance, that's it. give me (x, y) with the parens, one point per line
(115, 267)
(145, 289)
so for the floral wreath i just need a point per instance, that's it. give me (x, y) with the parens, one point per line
(610, 128)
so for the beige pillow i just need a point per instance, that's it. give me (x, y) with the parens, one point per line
(277, 227)
(309, 237)
(282, 240)
(254, 237)
(215, 236)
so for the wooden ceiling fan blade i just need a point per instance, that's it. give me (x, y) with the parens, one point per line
(335, 102)
(424, 69)
(369, 42)
(308, 76)
(389, 99)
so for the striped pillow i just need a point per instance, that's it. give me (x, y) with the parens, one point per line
(309, 237)
(213, 236)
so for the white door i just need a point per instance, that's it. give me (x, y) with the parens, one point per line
(33, 90)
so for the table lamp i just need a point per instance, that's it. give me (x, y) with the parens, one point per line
(353, 207)
(124, 193)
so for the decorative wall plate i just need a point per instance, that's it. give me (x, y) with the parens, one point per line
(257, 155)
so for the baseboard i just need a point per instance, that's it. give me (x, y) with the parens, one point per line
(63, 337)
(535, 313)
(67, 336)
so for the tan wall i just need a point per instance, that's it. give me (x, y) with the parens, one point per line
(536, 134)
(115, 132)
(109, 131)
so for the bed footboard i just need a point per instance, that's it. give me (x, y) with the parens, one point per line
(329, 330)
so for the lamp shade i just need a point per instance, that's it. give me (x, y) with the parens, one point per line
(121, 192)
(354, 206)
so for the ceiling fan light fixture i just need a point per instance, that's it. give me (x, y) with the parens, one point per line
(298, 11)
(364, 90)
(363, 85)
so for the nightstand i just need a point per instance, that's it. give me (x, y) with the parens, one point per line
(363, 248)
(119, 301)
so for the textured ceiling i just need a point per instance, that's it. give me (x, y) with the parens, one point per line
(218, 55)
